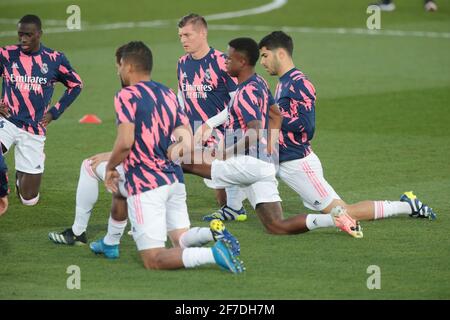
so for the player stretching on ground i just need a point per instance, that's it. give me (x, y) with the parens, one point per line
(148, 115)
(92, 172)
(300, 168)
(29, 72)
(245, 160)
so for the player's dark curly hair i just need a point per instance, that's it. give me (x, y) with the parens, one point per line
(276, 40)
(137, 53)
(33, 19)
(248, 47)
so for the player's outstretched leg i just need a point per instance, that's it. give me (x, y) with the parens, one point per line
(87, 195)
(271, 216)
(374, 210)
(175, 258)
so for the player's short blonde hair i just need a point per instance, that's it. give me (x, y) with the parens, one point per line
(194, 19)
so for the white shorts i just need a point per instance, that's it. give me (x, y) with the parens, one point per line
(256, 177)
(155, 212)
(305, 176)
(29, 153)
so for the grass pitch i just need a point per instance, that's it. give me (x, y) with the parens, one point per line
(382, 129)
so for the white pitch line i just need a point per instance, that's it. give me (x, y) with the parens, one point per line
(45, 22)
(352, 31)
(275, 4)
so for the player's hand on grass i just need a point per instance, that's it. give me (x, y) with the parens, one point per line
(202, 134)
(98, 158)
(46, 119)
(4, 109)
(3, 204)
(112, 180)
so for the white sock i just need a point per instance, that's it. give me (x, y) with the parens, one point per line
(87, 195)
(115, 231)
(195, 237)
(386, 209)
(193, 257)
(235, 196)
(314, 221)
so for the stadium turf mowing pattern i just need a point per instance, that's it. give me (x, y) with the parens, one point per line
(382, 129)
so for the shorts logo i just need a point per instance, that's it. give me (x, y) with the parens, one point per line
(44, 68)
(316, 203)
(184, 75)
(38, 167)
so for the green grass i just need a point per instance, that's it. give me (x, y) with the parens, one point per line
(382, 128)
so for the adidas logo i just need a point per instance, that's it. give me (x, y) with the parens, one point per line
(38, 167)
(184, 75)
(316, 203)
(15, 66)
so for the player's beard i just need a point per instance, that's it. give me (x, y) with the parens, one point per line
(122, 83)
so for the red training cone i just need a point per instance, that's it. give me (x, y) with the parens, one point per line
(90, 118)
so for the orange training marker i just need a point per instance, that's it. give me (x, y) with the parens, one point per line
(90, 118)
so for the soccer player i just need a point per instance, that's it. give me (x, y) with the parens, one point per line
(300, 168)
(245, 160)
(4, 190)
(204, 90)
(30, 71)
(148, 116)
(92, 172)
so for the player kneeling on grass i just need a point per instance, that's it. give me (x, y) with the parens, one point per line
(300, 168)
(245, 156)
(148, 116)
(92, 172)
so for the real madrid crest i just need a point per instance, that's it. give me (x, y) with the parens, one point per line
(44, 68)
(207, 75)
